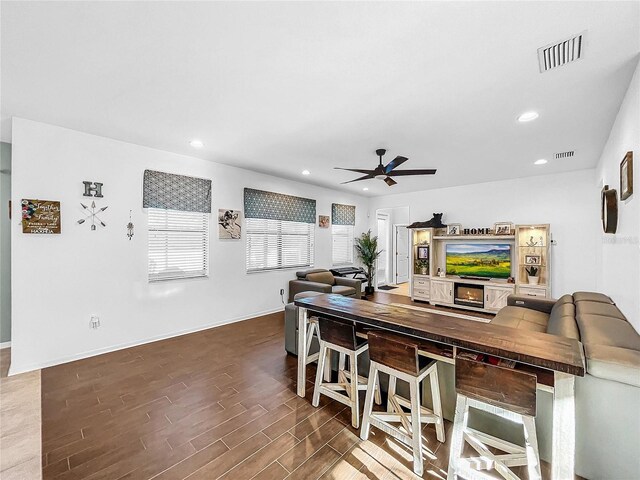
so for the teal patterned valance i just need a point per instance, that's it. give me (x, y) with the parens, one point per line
(343, 214)
(277, 206)
(176, 192)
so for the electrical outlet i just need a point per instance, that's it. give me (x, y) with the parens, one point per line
(94, 322)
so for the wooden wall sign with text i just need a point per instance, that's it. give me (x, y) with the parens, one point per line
(40, 216)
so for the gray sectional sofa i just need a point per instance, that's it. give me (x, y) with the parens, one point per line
(608, 397)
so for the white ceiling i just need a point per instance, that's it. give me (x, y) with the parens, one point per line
(282, 87)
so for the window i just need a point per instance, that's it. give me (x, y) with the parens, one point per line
(342, 250)
(178, 244)
(276, 244)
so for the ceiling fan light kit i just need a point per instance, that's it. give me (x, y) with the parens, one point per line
(385, 172)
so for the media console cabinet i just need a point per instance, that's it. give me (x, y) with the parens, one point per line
(430, 281)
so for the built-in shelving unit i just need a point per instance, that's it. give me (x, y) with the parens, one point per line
(533, 241)
(430, 283)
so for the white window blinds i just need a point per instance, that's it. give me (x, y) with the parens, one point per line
(342, 248)
(178, 244)
(276, 244)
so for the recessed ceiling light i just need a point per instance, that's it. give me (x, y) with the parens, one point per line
(541, 161)
(365, 188)
(196, 143)
(528, 116)
(306, 172)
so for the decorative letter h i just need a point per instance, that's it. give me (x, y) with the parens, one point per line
(92, 187)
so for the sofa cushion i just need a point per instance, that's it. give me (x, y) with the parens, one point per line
(300, 295)
(302, 274)
(562, 320)
(343, 290)
(613, 363)
(321, 277)
(591, 297)
(523, 318)
(599, 330)
(599, 308)
(565, 299)
(564, 327)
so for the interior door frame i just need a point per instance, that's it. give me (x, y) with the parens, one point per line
(395, 252)
(387, 217)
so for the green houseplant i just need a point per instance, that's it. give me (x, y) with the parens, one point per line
(422, 266)
(532, 275)
(368, 253)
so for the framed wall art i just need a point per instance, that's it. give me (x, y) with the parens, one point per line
(40, 216)
(323, 221)
(229, 227)
(626, 176)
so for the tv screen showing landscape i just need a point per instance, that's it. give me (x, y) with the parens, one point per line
(479, 260)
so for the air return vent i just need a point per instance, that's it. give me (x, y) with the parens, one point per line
(558, 54)
(564, 154)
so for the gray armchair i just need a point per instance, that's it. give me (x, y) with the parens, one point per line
(323, 281)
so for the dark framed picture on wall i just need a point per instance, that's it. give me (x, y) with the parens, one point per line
(626, 176)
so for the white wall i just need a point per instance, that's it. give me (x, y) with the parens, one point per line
(566, 201)
(60, 280)
(619, 272)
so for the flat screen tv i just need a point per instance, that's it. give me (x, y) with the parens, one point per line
(479, 260)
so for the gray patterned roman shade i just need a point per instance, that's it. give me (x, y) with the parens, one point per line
(176, 192)
(277, 206)
(343, 214)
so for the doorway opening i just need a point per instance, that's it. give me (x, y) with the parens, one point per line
(392, 268)
(382, 266)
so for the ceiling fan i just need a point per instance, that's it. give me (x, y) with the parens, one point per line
(382, 172)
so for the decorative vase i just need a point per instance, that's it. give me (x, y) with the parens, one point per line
(369, 290)
(423, 271)
(533, 280)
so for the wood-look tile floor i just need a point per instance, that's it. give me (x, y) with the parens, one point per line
(219, 403)
(20, 422)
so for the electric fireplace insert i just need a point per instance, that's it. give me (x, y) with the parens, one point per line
(469, 295)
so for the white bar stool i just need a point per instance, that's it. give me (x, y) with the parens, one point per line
(504, 392)
(397, 356)
(341, 337)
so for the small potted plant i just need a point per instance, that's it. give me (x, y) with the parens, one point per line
(422, 266)
(532, 275)
(368, 253)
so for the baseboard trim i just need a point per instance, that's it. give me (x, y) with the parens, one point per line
(15, 370)
(5, 345)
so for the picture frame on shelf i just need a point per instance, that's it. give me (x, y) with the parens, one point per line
(423, 252)
(626, 176)
(532, 260)
(454, 229)
(503, 228)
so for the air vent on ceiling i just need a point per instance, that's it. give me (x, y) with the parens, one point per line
(565, 154)
(560, 53)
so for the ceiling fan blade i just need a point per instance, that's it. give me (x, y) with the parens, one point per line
(357, 170)
(390, 181)
(366, 177)
(404, 173)
(396, 162)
